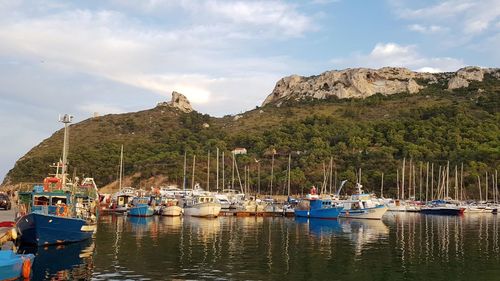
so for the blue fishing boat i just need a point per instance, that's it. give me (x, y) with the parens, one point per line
(318, 208)
(61, 210)
(141, 208)
(56, 216)
(14, 266)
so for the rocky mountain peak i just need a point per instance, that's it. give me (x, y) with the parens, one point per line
(178, 101)
(365, 82)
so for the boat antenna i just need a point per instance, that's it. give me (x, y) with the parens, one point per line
(65, 119)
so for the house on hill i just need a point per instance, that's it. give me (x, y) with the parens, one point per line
(239, 150)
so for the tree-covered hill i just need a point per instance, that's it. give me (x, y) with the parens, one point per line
(374, 134)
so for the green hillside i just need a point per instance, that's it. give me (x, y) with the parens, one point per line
(374, 134)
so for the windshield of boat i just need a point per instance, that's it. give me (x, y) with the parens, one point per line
(40, 200)
(58, 200)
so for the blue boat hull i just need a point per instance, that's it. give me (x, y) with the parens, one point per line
(41, 229)
(141, 211)
(11, 264)
(442, 211)
(325, 213)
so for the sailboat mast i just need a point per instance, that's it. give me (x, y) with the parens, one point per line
(272, 173)
(192, 178)
(427, 182)
(397, 182)
(403, 180)
(121, 169)
(223, 173)
(331, 173)
(486, 186)
(208, 171)
(382, 187)
(290, 160)
(217, 178)
(258, 177)
(184, 172)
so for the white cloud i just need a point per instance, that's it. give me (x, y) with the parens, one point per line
(464, 17)
(392, 54)
(426, 29)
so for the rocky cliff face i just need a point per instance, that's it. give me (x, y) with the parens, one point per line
(364, 82)
(178, 101)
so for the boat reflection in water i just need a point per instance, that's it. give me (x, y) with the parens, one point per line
(64, 262)
(359, 232)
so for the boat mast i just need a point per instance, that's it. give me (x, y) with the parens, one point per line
(258, 176)
(289, 160)
(223, 175)
(479, 187)
(331, 173)
(403, 180)
(432, 181)
(65, 119)
(427, 182)
(121, 169)
(272, 172)
(208, 171)
(486, 186)
(232, 171)
(192, 178)
(217, 178)
(397, 182)
(184, 172)
(409, 178)
(382, 186)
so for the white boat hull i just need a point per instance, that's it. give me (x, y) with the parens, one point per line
(204, 210)
(171, 211)
(369, 213)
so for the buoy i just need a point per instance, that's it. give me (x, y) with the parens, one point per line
(26, 268)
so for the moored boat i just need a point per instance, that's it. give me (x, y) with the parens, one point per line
(170, 207)
(59, 211)
(205, 206)
(442, 207)
(362, 206)
(318, 208)
(15, 266)
(140, 207)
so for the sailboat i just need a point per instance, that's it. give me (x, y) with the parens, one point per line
(122, 199)
(199, 203)
(59, 211)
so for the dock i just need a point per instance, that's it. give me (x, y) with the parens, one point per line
(253, 214)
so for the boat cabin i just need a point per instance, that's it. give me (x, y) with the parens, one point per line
(359, 202)
(141, 201)
(48, 203)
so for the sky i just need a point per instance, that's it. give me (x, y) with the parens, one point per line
(114, 56)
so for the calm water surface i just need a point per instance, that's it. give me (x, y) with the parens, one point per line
(400, 247)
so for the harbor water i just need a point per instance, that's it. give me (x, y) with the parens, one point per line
(402, 246)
